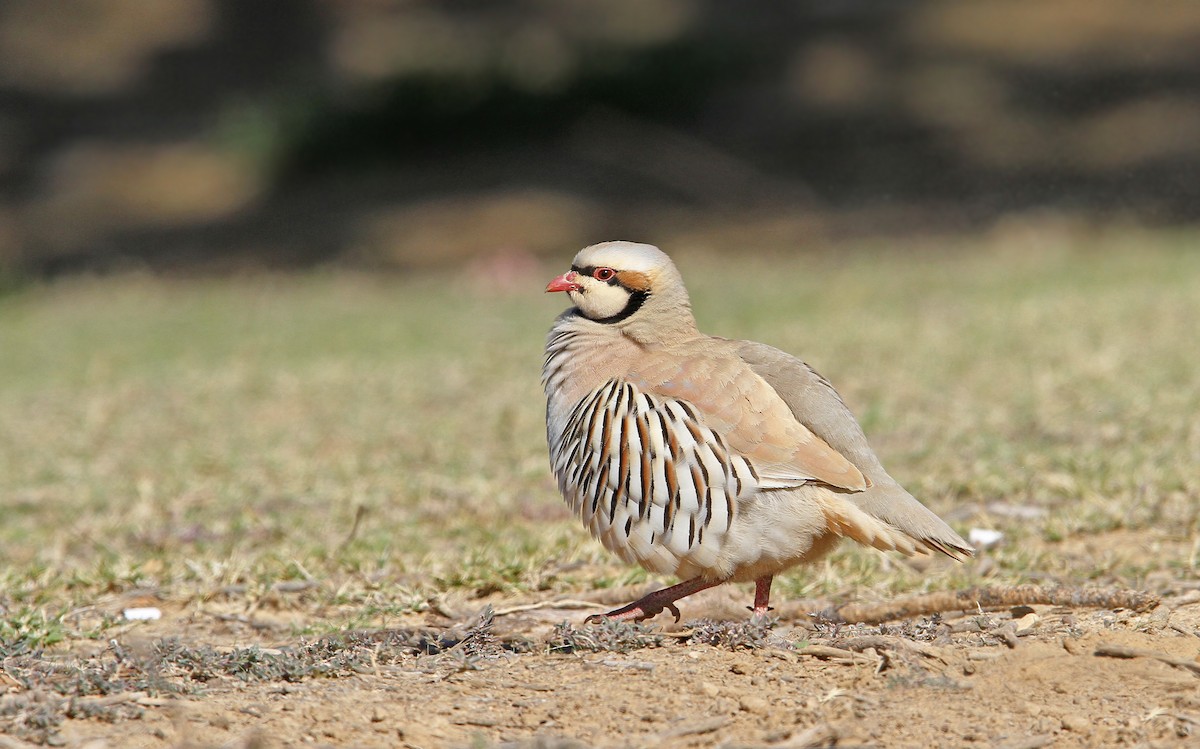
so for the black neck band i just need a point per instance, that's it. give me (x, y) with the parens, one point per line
(636, 300)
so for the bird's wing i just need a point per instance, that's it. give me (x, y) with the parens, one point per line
(814, 403)
(748, 414)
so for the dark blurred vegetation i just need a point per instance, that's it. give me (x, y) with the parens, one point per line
(222, 133)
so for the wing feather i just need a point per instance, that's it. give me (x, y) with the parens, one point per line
(749, 419)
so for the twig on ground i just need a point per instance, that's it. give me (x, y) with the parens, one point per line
(563, 604)
(1029, 742)
(1120, 651)
(359, 513)
(108, 700)
(283, 586)
(884, 642)
(821, 734)
(841, 655)
(992, 597)
(695, 729)
(1191, 598)
(258, 624)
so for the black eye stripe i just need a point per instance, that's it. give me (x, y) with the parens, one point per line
(590, 272)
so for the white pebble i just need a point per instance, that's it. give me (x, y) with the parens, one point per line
(984, 538)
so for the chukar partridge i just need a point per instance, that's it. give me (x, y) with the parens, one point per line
(706, 458)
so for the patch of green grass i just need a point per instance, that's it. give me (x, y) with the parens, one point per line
(29, 629)
(190, 437)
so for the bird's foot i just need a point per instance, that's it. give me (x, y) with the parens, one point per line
(762, 617)
(635, 612)
(652, 605)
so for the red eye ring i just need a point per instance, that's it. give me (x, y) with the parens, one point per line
(603, 274)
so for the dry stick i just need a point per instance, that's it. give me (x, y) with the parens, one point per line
(1028, 742)
(359, 513)
(883, 642)
(1120, 651)
(825, 652)
(821, 734)
(695, 728)
(566, 603)
(992, 597)
(109, 700)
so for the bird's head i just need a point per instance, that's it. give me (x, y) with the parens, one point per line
(633, 286)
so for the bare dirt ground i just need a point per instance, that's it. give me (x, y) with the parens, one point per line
(1021, 677)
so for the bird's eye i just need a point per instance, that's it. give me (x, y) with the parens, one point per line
(603, 274)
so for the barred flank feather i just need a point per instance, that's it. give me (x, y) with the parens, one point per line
(641, 472)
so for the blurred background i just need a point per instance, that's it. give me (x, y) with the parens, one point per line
(206, 135)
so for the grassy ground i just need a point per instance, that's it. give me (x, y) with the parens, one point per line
(376, 444)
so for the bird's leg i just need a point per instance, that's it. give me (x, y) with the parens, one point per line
(653, 604)
(762, 595)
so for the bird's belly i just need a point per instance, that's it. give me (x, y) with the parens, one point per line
(776, 530)
(771, 532)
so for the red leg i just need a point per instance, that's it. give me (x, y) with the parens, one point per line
(762, 595)
(653, 604)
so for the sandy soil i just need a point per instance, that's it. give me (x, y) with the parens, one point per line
(1011, 678)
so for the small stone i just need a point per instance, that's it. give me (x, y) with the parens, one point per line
(984, 538)
(1047, 724)
(753, 704)
(1027, 624)
(777, 735)
(1076, 723)
(710, 689)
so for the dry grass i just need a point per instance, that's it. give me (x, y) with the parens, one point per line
(210, 439)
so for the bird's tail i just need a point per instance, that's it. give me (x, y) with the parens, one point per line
(848, 520)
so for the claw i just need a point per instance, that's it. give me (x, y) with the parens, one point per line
(674, 610)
